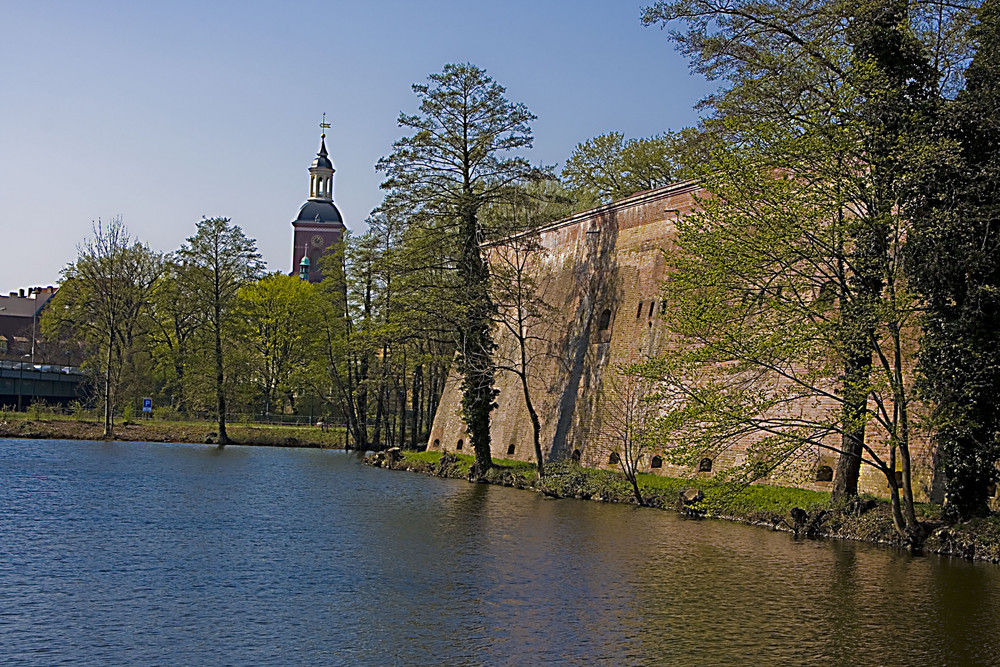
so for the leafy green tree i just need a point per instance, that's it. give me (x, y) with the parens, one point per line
(279, 313)
(218, 260)
(173, 326)
(387, 332)
(456, 161)
(103, 299)
(756, 303)
(609, 167)
(831, 91)
(343, 359)
(954, 262)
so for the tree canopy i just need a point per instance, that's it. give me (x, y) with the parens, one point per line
(461, 155)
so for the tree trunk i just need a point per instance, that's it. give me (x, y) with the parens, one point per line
(536, 426)
(377, 434)
(415, 389)
(220, 392)
(476, 343)
(857, 370)
(628, 469)
(108, 409)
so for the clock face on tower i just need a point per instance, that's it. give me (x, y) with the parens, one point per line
(317, 241)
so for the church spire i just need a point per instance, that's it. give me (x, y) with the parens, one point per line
(321, 171)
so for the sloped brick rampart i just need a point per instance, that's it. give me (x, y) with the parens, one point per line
(605, 267)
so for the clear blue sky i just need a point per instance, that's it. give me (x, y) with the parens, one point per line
(163, 112)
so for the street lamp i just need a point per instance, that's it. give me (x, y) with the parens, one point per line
(34, 316)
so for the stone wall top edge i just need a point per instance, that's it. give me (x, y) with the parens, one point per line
(640, 198)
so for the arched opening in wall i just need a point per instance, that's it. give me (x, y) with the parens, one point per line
(656, 462)
(437, 444)
(824, 474)
(638, 311)
(652, 305)
(510, 450)
(705, 465)
(614, 458)
(459, 445)
(605, 320)
(575, 455)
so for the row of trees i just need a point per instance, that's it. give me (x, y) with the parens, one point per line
(205, 330)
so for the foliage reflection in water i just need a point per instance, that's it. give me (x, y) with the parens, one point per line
(139, 553)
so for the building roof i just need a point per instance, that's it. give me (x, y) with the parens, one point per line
(20, 306)
(323, 212)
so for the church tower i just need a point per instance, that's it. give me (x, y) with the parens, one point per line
(318, 224)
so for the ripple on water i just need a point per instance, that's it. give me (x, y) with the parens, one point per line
(150, 554)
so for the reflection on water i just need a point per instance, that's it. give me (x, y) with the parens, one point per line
(136, 553)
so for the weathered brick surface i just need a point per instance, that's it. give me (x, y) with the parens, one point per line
(610, 262)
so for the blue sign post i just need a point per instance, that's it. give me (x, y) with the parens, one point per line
(147, 405)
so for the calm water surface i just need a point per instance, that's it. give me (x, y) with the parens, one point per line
(129, 553)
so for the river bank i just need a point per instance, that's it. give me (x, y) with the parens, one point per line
(801, 512)
(171, 431)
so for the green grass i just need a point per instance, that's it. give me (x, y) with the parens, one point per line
(573, 479)
(60, 427)
(423, 457)
(774, 499)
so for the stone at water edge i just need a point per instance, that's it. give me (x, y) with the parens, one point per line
(691, 496)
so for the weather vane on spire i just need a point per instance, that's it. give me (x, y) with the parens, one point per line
(324, 126)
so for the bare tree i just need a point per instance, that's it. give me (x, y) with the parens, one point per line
(520, 310)
(104, 295)
(627, 413)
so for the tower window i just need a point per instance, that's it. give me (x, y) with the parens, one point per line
(652, 304)
(705, 465)
(656, 462)
(614, 458)
(459, 445)
(510, 450)
(638, 311)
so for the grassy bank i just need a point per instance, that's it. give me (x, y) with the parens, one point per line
(18, 425)
(802, 512)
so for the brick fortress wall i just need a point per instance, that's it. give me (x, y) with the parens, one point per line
(600, 274)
